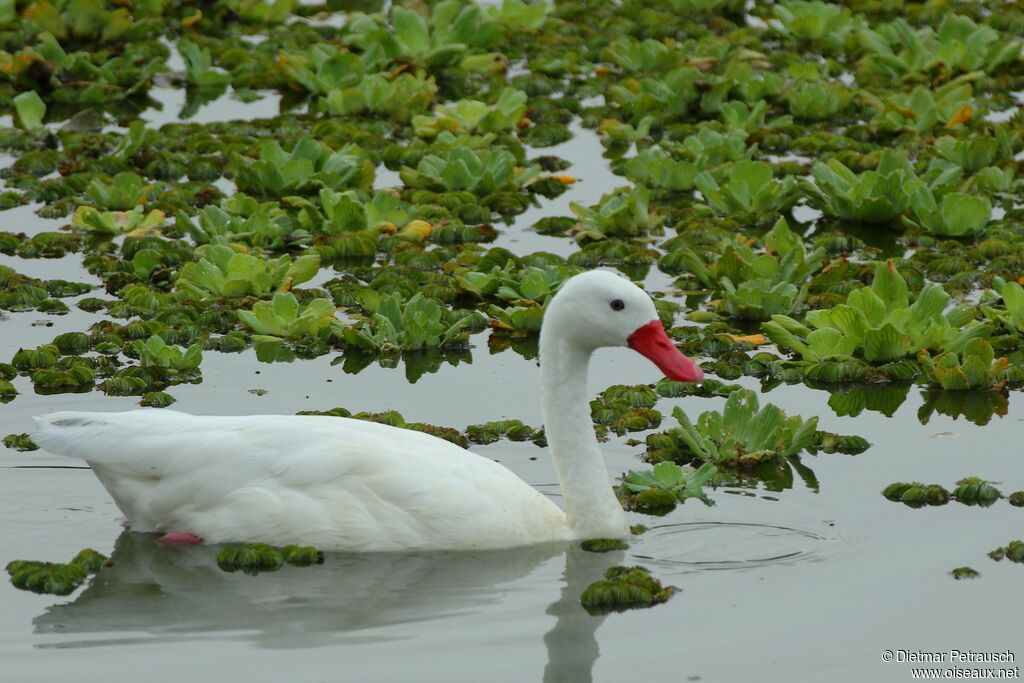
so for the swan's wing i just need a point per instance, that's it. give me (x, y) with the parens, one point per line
(330, 481)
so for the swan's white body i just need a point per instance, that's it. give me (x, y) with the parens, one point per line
(343, 484)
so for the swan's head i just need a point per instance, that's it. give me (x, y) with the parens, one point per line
(600, 308)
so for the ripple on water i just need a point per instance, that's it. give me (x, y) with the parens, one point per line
(701, 546)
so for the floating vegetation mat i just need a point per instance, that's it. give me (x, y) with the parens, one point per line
(813, 193)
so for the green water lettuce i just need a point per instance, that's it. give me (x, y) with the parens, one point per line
(879, 323)
(654, 167)
(223, 272)
(122, 193)
(155, 352)
(976, 491)
(378, 94)
(262, 12)
(481, 172)
(975, 151)
(453, 30)
(955, 214)
(473, 116)
(624, 588)
(754, 285)
(665, 485)
(673, 166)
(322, 68)
(667, 98)
(116, 222)
(898, 51)
(748, 190)
(976, 367)
(284, 318)
(878, 196)
(309, 166)
(817, 100)
(742, 435)
(418, 323)
(266, 226)
(923, 109)
(199, 70)
(31, 110)
(817, 22)
(623, 213)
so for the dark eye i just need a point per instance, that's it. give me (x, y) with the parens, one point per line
(617, 305)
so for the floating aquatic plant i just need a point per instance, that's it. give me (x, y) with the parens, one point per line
(976, 367)
(224, 272)
(411, 325)
(603, 545)
(624, 588)
(620, 214)
(283, 317)
(877, 196)
(1013, 551)
(513, 430)
(915, 494)
(377, 94)
(472, 116)
(465, 170)
(56, 579)
(879, 324)
(658, 490)
(748, 189)
(20, 442)
(742, 435)
(30, 109)
(961, 573)
(975, 491)
(309, 166)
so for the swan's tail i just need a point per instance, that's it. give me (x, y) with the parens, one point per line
(105, 438)
(70, 433)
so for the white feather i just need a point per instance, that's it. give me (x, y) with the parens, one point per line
(332, 482)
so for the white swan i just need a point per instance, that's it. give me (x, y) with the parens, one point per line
(343, 484)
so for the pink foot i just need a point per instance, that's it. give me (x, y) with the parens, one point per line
(180, 538)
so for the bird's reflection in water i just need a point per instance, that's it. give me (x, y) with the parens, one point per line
(175, 592)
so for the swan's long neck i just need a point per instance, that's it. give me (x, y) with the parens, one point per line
(590, 504)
